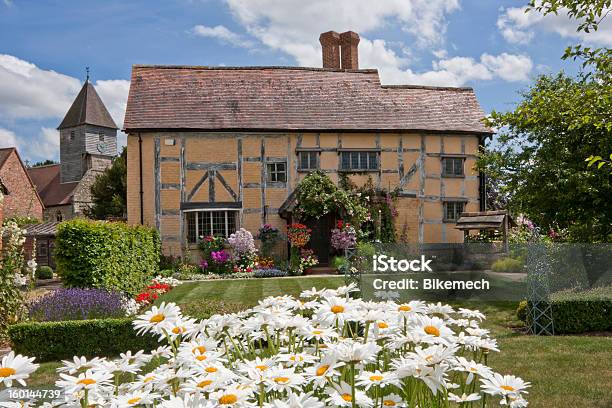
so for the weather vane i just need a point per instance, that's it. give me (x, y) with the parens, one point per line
(87, 70)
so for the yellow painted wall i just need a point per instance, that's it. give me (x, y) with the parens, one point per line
(420, 208)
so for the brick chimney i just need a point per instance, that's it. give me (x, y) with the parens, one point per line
(349, 41)
(330, 44)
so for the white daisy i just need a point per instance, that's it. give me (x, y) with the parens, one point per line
(16, 368)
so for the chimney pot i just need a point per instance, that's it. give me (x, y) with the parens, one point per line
(349, 42)
(330, 45)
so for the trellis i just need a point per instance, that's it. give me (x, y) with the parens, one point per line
(540, 320)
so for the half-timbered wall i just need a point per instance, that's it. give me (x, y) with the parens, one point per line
(183, 171)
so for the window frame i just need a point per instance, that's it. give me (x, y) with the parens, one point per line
(197, 213)
(445, 205)
(271, 174)
(454, 159)
(311, 153)
(356, 156)
(42, 244)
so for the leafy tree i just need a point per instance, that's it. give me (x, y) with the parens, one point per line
(539, 160)
(44, 163)
(109, 191)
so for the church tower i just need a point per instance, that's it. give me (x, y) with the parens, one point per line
(88, 136)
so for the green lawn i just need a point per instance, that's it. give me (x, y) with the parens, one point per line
(566, 371)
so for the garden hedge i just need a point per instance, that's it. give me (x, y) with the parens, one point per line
(109, 255)
(577, 312)
(49, 341)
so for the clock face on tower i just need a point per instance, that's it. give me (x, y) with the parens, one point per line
(101, 147)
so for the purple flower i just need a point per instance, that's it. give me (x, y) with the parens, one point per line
(343, 238)
(220, 256)
(203, 264)
(77, 304)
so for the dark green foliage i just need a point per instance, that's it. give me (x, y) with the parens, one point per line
(577, 312)
(108, 255)
(46, 162)
(109, 191)
(44, 272)
(169, 262)
(338, 261)
(48, 341)
(582, 316)
(539, 158)
(521, 310)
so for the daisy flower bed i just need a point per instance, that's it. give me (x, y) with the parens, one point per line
(324, 349)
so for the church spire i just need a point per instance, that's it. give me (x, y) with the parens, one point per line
(88, 109)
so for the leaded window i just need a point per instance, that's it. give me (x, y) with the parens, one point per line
(452, 166)
(359, 160)
(215, 222)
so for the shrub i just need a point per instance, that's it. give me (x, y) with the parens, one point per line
(338, 261)
(11, 264)
(269, 273)
(48, 341)
(77, 304)
(268, 235)
(166, 273)
(44, 272)
(577, 312)
(108, 255)
(169, 262)
(521, 310)
(22, 221)
(507, 265)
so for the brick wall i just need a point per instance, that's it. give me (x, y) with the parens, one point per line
(22, 199)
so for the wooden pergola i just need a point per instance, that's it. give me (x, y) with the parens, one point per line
(486, 220)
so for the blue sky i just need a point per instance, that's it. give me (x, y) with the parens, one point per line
(45, 45)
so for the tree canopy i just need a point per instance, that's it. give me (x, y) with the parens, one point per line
(109, 191)
(538, 162)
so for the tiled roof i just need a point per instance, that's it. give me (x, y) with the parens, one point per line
(4, 154)
(47, 228)
(47, 182)
(89, 109)
(291, 98)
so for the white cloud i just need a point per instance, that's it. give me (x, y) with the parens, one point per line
(27, 91)
(276, 24)
(222, 33)
(447, 71)
(114, 93)
(279, 25)
(7, 138)
(46, 145)
(517, 26)
(31, 93)
(509, 67)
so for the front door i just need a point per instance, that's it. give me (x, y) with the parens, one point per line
(320, 239)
